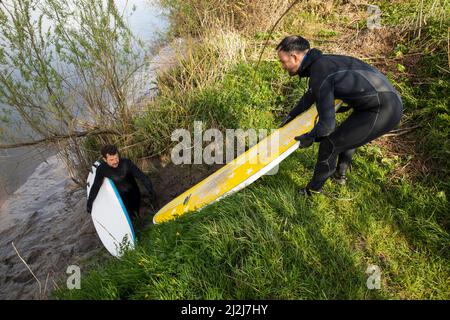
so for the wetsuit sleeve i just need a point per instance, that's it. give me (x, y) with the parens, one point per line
(95, 188)
(137, 173)
(325, 109)
(303, 104)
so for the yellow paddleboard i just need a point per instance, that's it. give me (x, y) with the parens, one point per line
(244, 170)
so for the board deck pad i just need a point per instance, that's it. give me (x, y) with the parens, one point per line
(243, 170)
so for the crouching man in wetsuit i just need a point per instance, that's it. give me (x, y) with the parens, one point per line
(123, 173)
(377, 106)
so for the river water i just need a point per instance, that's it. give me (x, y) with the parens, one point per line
(42, 212)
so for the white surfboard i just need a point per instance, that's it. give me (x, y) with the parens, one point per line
(110, 217)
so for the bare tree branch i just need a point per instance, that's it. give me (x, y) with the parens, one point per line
(56, 138)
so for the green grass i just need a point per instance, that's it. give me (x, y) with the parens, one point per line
(266, 242)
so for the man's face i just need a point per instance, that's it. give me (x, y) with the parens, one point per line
(112, 160)
(290, 61)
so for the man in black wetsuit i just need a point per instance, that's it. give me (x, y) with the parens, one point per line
(122, 172)
(377, 106)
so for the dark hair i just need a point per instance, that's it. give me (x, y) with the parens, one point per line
(293, 43)
(109, 149)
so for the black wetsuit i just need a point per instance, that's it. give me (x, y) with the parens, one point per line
(124, 179)
(377, 108)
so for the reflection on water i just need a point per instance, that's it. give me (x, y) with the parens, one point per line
(146, 21)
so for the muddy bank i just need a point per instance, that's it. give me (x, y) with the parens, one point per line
(47, 221)
(172, 180)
